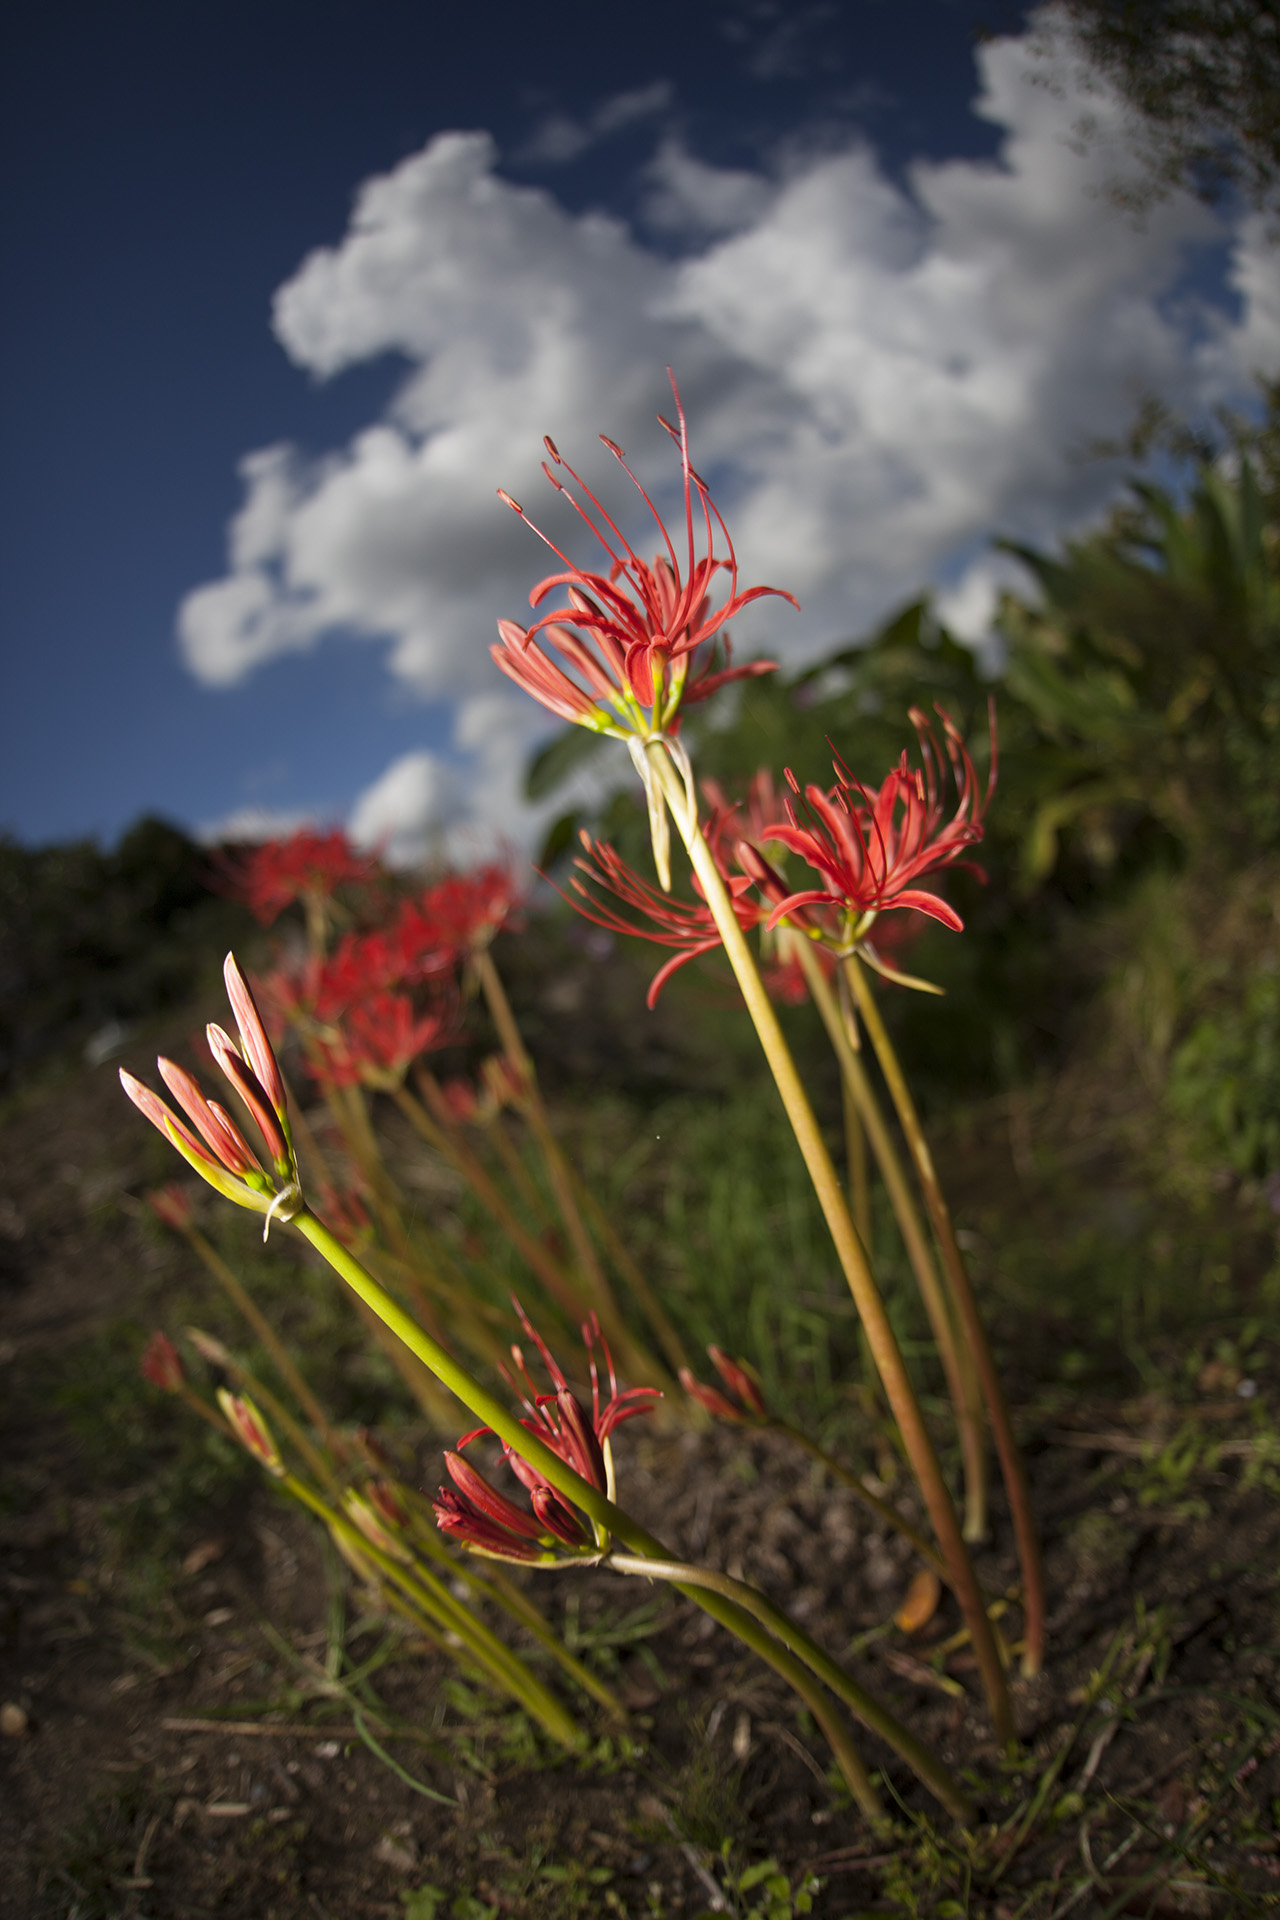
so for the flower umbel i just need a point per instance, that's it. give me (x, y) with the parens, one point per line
(617, 657)
(488, 1522)
(871, 846)
(216, 1148)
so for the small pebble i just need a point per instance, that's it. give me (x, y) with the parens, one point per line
(15, 1721)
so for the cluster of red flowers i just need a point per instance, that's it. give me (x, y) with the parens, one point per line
(270, 877)
(488, 1522)
(870, 847)
(358, 1009)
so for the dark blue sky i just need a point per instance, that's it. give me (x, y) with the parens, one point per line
(168, 168)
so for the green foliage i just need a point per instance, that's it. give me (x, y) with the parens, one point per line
(1224, 1077)
(763, 1891)
(89, 937)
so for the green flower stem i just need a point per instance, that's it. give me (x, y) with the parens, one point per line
(962, 1381)
(875, 1319)
(429, 1595)
(1011, 1467)
(602, 1511)
(248, 1308)
(872, 1715)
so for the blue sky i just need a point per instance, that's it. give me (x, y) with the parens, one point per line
(294, 289)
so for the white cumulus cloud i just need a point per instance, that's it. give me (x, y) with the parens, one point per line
(877, 380)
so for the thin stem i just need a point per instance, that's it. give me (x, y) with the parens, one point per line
(503, 1593)
(640, 1363)
(1011, 1466)
(249, 1309)
(279, 1414)
(962, 1384)
(611, 1519)
(432, 1128)
(426, 1593)
(868, 1710)
(849, 1248)
(628, 1266)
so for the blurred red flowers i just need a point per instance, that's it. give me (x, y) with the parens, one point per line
(271, 877)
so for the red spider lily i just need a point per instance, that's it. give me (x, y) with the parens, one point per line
(379, 1041)
(872, 844)
(748, 1404)
(251, 1430)
(271, 877)
(485, 1519)
(460, 913)
(684, 924)
(217, 1149)
(161, 1364)
(630, 635)
(172, 1205)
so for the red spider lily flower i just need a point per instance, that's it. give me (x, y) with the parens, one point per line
(311, 865)
(630, 636)
(251, 1430)
(485, 1519)
(685, 925)
(161, 1364)
(748, 1404)
(871, 845)
(172, 1205)
(460, 913)
(379, 1041)
(216, 1148)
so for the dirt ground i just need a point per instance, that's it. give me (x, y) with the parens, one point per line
(191, 1747)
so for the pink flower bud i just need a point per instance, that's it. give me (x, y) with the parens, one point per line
(161, 1365)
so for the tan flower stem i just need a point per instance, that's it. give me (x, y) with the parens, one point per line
(855, 1153)
(509, 1429)
(501, 1592)
(641, 1364)
(1011, 1466)
(850, 1251)
(427, 1594)
(249, 1310)
(886, 1514)
(281, 1417)
(868, 1710)
(961, 1376)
